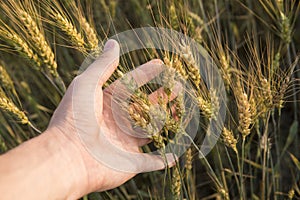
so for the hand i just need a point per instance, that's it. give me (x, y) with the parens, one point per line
(83, 149)
(85, 118)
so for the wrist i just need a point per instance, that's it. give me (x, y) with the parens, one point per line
(83, 176)
(69, 155)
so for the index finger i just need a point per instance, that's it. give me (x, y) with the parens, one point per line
(141, 75)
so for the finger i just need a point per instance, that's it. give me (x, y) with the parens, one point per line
(121, 159)
(142, 142)
(102, 68)
(86, 96)
(146, 72)
(157, 162)
(160, 93)
(141, 75)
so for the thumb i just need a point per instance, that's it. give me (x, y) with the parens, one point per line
(102, 68)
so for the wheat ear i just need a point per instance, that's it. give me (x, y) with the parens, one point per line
(39, 42)
(90, 33)
(67, 27)
(228, 139)
(176, 183)
(21, 46)
(8, 106)
(5, 79)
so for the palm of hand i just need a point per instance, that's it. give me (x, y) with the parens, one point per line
(87, 126)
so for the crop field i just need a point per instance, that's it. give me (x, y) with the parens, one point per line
(245, 98)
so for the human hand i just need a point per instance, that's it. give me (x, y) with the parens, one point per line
(85, 118)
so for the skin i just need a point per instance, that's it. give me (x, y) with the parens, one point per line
(56, 164)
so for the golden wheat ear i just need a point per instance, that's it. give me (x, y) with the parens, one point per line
(39, 42)
(90, 33)
(9, 107)
(229, 140)
(176, 183)
(15, 40)
(67, 27)
(5, 79)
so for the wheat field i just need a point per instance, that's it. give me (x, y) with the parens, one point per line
(255, 46)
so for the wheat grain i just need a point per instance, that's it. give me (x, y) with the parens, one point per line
(214, 102)
(39, 42)
(226, 74)
(179, 107)
(8, 106)
(21, 46)
(5, 79)
(282, 88)
(177, 65)
(176, 183)
(195, 77)
(168, 80)
(285, 26)
(224, 194)
(90, 33)
(266, 94)
(205, 107)
(192, 67)
(188, 159)
(244, 114)
(174, 22)
(158, 141)
(229, 140)
(193, 73)
(67, 27)
(291, 193)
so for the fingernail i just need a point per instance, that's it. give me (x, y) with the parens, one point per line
(109, 45)
(156, 61)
